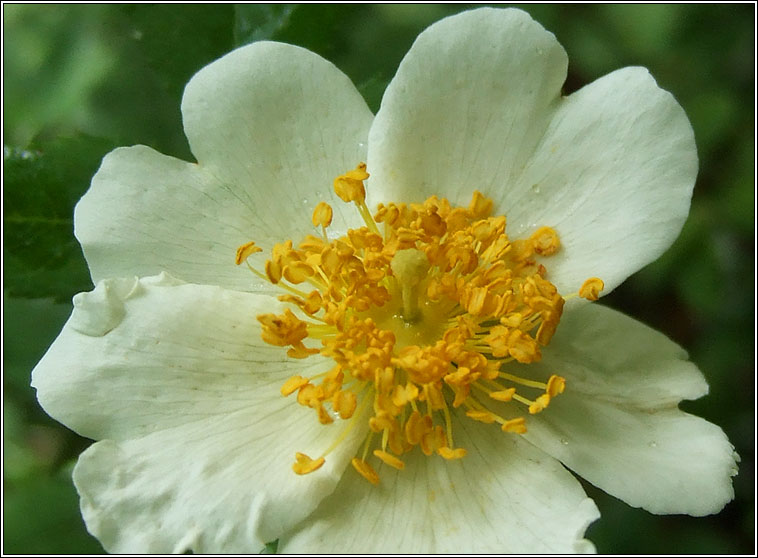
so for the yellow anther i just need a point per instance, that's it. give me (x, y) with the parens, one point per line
(349, 186)
(539, 404)
(310, 305)
(297, 272)
(344, 403)
(292, 385)
(366, 470)
(545, 241)
(273, 271)
(390, 459)
(416, 426)
(523, 348)
(549, 325)
(448, 453)
(313, 302)
(475, 299)
(323, 416)
(309, 395)
(512, 320)
(591, 288)
(381, 421)
(304, 464)
(396, 442)
(504, 395)
(513, 342)
(322, 215)
(481, 416)
(312, 244)
(299, 350)
(433, 440)
(403, 394)
(516, 426)
(480, 206)
(555, 385)
(521, 250)
(245, 251)
(419, 318)
(282, 330)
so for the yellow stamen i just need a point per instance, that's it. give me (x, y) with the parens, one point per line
(555, 385)
(545, 241)
(389, 459)
(345, 403)
(365, 470)
(349, 186)
(304, 464)
(293, 384)
(438, 311)
(517, 426)
(448, 453)
(539, 404)
(504, 395)
(481, 416)
(591, 288)
(245, 251)
(322, 215)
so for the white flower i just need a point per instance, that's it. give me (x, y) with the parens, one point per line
(196, 443)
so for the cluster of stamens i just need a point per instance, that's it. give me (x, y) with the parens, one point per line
(419, 319)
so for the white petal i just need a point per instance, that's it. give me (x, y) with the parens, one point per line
(199, 441)
(502, 497)
(466, 109)
(138, 355)
(215, 484)
(272, 126)
(613, 175)
(281, 123)
(147, 212)
(618, 426)
(476, 105)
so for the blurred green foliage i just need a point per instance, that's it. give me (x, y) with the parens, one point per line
(81, 79)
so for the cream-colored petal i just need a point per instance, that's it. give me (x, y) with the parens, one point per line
(147, 212)
(613, 174)
(617, 424)
(272, 126)
(476, 105)
(466, 109)
(144, 354)
(218, 483)
(198, 443)
(502, 497)
(277, 124)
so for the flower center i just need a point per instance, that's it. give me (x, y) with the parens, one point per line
(435, 313)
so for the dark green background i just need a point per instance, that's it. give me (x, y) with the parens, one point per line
(82, 79)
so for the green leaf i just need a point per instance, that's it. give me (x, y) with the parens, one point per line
(179, 39)
(259, 22)
(42, 517)
(42, 185)
(54, 61)
(30, 327)
(271, 547)
(323, 29)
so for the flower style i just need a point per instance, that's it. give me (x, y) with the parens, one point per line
(409, 331)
